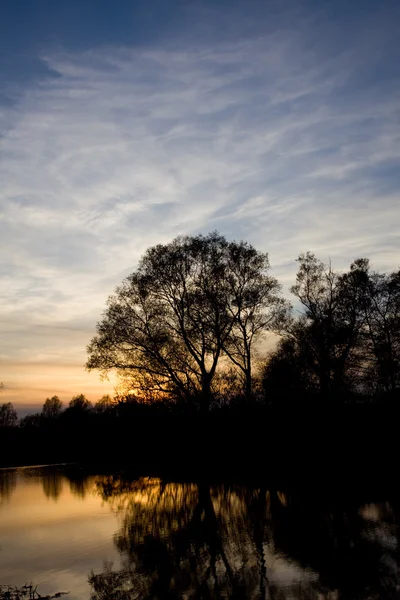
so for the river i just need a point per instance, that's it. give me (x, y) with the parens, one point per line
(111, 535)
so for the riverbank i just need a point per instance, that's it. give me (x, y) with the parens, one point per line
(350, 441)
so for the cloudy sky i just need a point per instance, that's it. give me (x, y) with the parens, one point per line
(125, 123)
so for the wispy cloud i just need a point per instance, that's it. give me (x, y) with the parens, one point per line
(277, 139)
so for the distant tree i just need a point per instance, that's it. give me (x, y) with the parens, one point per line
(189, 303)
(8, 415)
(32, 421)
(80, 402)
(52, 408)
(104, 404)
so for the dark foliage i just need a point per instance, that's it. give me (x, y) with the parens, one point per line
(189, 305)
(240, 437)
(8, 416)
(345, 344)
(26, 592)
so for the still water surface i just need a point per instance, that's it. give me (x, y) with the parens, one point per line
(194, 540)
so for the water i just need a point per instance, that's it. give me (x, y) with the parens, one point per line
(105, 536)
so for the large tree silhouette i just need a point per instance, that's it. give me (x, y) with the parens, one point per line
(188, 304)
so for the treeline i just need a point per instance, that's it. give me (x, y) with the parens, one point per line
(243, 438)
(187, 333)
(190, 324)
(54, 409)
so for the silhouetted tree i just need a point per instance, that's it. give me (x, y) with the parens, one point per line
(52, 408)
(32, 421)
(188, 303)
(289, 373)
(330, 329)
(80, 402)
(8, 415)
(382, 312)
(253, 303)
(104, 404)
(346, 340)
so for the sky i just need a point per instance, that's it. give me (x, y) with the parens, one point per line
(124, 124)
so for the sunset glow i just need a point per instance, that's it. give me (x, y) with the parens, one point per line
(275, 123)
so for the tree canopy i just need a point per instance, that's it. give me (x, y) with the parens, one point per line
(8, 415)
(79, 402)
(346, 339)
(52, 407)
(190, 306)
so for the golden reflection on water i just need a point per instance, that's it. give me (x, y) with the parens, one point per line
(53, 530)
(232, 551)
(185, 540)
(192, 540)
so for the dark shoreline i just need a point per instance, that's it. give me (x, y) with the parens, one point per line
(357, 443)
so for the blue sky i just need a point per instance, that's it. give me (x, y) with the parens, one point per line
(124, 124)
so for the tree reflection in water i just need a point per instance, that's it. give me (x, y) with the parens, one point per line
(52, 482)
(8, 482)
(196, 541)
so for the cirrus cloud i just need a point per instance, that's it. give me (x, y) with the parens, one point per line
(270, 138)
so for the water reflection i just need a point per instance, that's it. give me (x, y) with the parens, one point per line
(80, 483)
(54, 528)
(8, 482)
(195, 540)
(185, 540)
(52, 484)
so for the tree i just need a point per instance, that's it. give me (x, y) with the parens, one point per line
(8, 415)
(52, 408)
(332, 325)
(32, 421)
(188, 304)
(382, 313)
(104, 404)
(346, 338)
(80, 402)
(289, 373)
(254, 304)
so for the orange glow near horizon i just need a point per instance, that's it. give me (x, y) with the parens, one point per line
(28, 384)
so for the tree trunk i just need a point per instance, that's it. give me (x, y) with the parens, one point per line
(205, 400)
(248, 384)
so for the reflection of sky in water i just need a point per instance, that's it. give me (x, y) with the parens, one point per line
(56, 526)
(52, 534)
